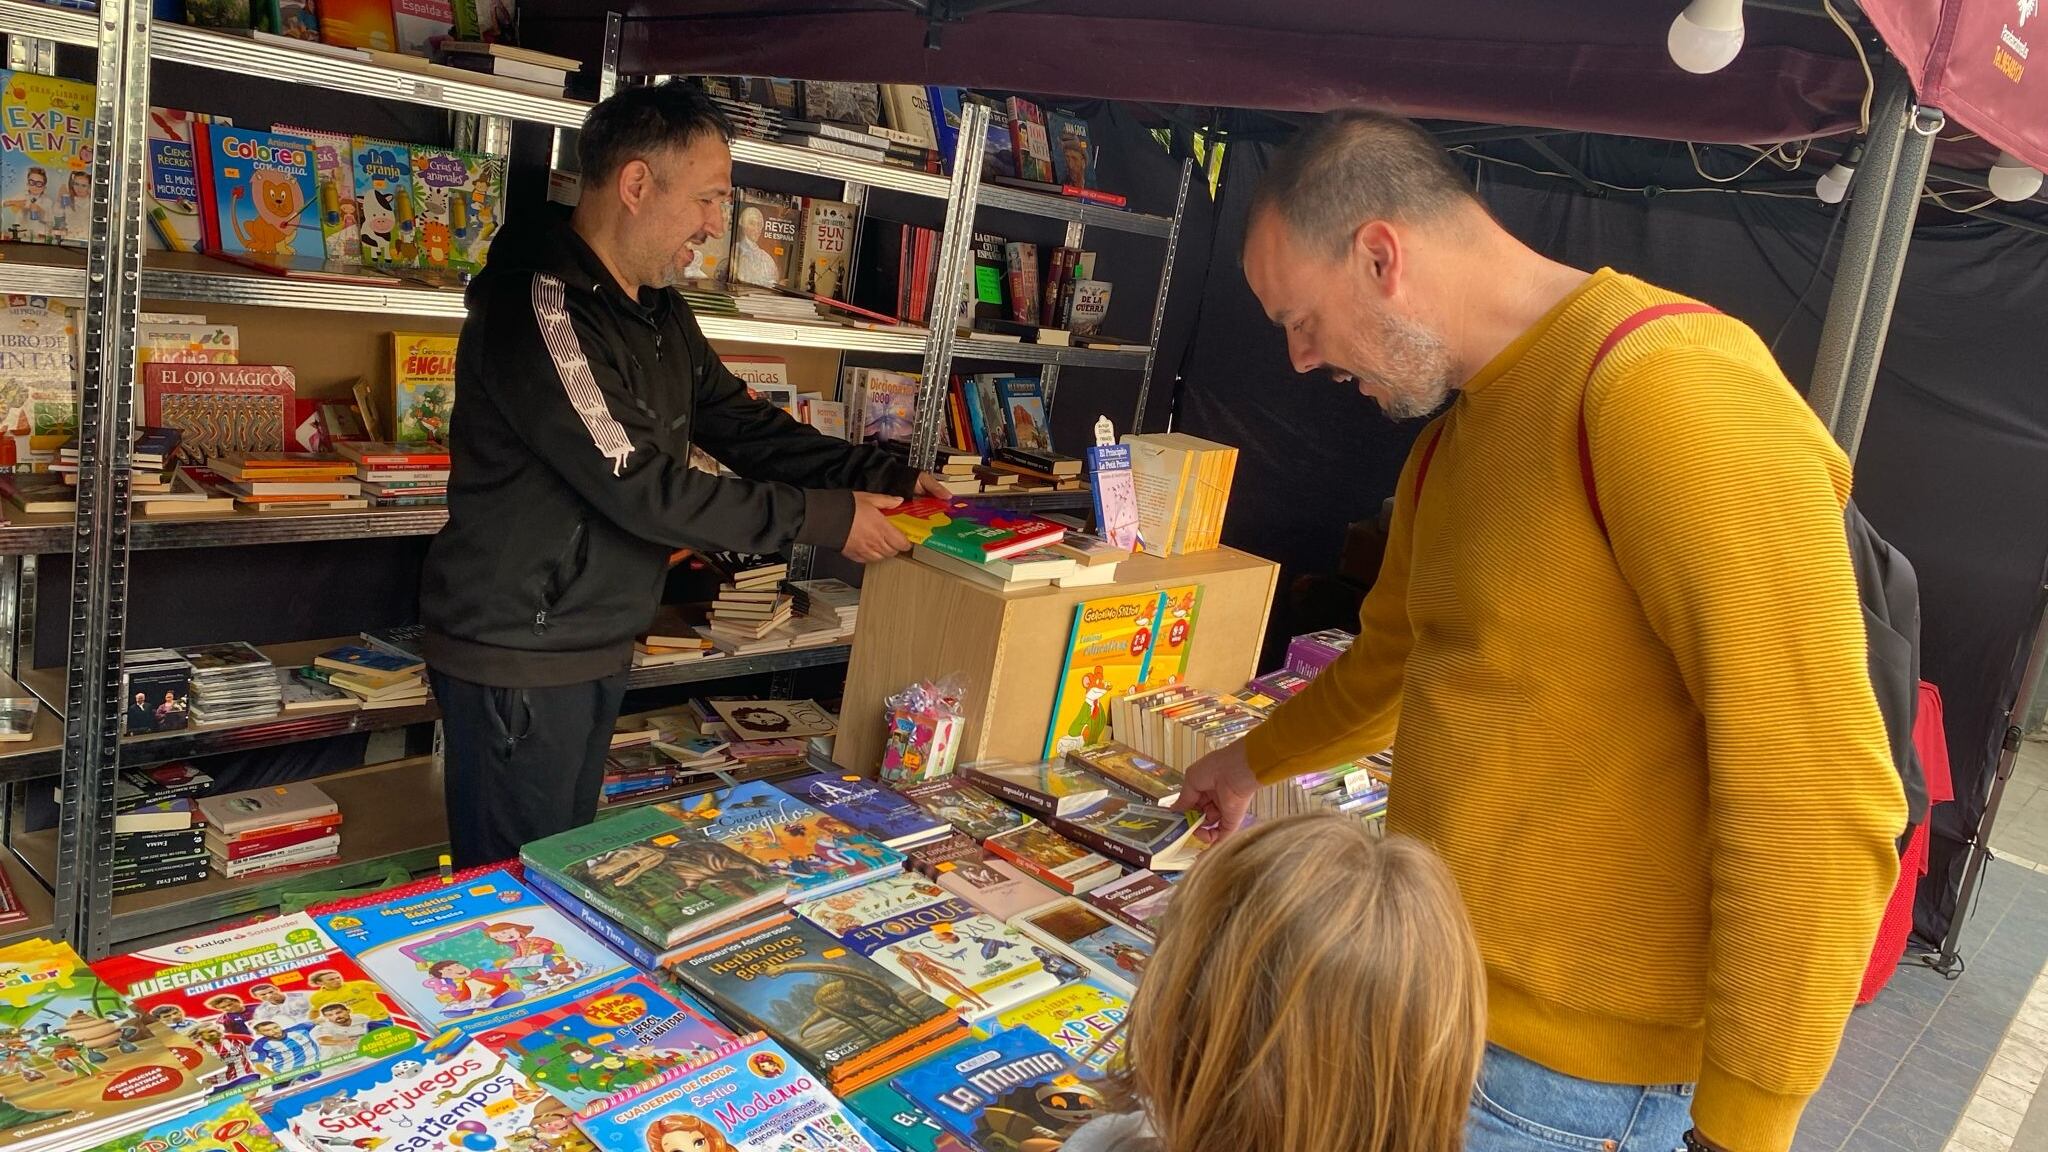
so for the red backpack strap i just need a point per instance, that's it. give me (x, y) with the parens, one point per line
(1622, 331)
(1422, 466)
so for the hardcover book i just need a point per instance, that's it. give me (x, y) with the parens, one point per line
(647, 870)
(1140, 835)
(1082, 1020)
(844, 913)
(387, 232)
(968, 959)
(38, 359)
(423, 385)
(277, 1000)
(930, 859)
(102, 1068)
(828, 227)
(971, 531)
(765, 233)
(814, 853)
(1117, 954)
(1044, 853)
(1011, 1090)
(837, 1010)
(965, 807)
(621, 1036)
(419, 25)
(238, 813)
(257, 192)
(750, 1096)
(902, 1123)
(477, 950)
(470, 1096)
(221, 408)
(880, 812)
(1046, 787)
(45, 159)
(1073, 158)
(1024, 419)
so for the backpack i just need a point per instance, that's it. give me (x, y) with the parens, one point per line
(1885, 584)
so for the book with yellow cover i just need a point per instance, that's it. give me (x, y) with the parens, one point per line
(422, 386)
(1108, 654)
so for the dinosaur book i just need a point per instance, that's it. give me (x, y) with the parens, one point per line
(647, 870)
(476, 950)
(259, 192)
(839, 1011)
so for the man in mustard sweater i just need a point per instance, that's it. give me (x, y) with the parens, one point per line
(1618, 636)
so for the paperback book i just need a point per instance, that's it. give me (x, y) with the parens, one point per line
(1010, 1090)
(902, 1123)
(965, 807)
(813, 853)
(750, 1096)
(1117, 955)
(844, 914)
(623, 1035)
(1137, 901)
(458, 201)
(475, 951)
(225, 1124)
(1109, 653)
(995, 887)
(388, 234)
(423, 386)
(1082, 1019)
(45, 159)
(1150, 780)
(1039, 851)
(972, 962)
(277, 1000)
(879, 812)
(1046, 787)
(257, 192)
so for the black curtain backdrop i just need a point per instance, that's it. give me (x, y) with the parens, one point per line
(1953, 467)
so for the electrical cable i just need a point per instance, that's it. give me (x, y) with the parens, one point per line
(1862, 57)
(1820, 264)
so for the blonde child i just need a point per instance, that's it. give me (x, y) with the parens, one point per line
(1315, 989)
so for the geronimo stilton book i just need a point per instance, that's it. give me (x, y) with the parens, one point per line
(750, 1096)
(277, 1001)
(474, 951)
(1109, 653)
(78, 1063)
(619, 1037)
(454, 1095)
(258, 193)
(817, 854)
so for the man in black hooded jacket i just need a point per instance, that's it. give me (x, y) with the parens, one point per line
(581, 384)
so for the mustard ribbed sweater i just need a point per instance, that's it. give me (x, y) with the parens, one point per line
(1652, 757)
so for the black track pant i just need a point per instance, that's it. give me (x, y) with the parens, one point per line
(522, 763)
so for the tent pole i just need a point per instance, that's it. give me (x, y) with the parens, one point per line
(1949, 961)
(1888, 264)
(1877, 185)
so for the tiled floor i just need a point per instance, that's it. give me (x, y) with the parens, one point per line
(2021, 831)
(1911, 1062)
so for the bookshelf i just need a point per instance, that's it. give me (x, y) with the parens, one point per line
(398, 818)
(34, 898)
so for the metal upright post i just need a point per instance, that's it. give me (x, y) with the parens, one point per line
(99, 555)
(32, 54)
(1180, 207)
(1884, 199)
(956, 248)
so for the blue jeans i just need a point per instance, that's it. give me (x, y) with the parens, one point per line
(1521, 1106)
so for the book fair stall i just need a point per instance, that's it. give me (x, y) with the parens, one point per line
(881, 854)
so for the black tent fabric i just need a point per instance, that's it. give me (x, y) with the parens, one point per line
(1954, 459)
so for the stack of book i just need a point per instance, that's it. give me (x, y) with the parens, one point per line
(1004, 550)
(18, 710)
(831, 601)
(1183, 490)
(400, 475)
(159, 836)
(1309, 654)
(639, 771)
(285, 481)
(959, 469)
(1179, 725)
(671, 639)
(266, 830)
(750, 605)
(374, 677)
(507, 66)
(231, 682)
(156, 684)
(1041, 469)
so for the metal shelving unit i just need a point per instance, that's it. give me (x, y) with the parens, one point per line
(398, 817)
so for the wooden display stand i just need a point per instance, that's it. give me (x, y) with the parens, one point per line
(918, 623)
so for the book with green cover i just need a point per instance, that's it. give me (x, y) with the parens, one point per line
(649, 871)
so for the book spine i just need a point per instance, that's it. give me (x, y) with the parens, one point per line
(146, 884)
(1016, 794)
(621, 940)
(416, 888)
(202, 168)
(1021, 262)
(1026, 864)
(1049, 297)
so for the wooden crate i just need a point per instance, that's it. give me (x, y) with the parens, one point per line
(919, 623)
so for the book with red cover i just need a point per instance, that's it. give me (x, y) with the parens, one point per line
(379, 457)
(243, 848)
(221, 408)
(971, 531)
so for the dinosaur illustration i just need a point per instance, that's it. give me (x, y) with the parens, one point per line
(855, 999)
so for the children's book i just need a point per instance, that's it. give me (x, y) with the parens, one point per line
(815, 853)
(334, 166)
(221, 408)
(965, 807)
(994, 886)
(1117, 955)
(422, 385)
(358, 24)
(45, 159)
(258, 192)
(900, 1122)
(79, 1062)
(839, 1011)
(458, 201)
(277, 1001)
(173, 213)
(476, 951)
(1046, 787)
(1039, 851)
(1115, 495)
(1109, 653)
(653, 874)
(1011, 1090)
(883, 813)
(971, 531)
(621, 1036)
(1081, 1020)
(972, 962)
(421, 24)
(226, 1124)
(453, 1094)
(751, 1096)
(38, 361)
(387, 233)
(1024, 419)
(845, 913)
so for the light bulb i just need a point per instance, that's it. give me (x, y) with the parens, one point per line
(1834, 183)
(1706, 36)
(2011, 178)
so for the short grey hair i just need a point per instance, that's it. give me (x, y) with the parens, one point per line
(1350, 167)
